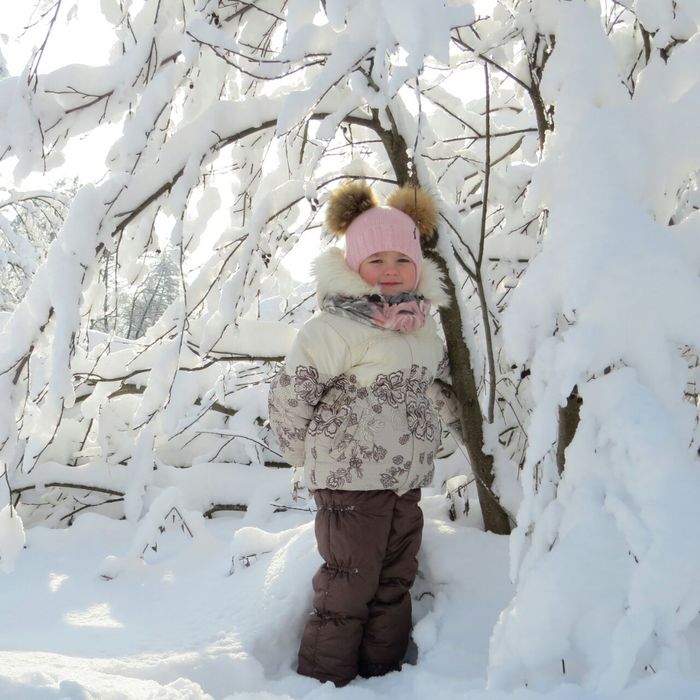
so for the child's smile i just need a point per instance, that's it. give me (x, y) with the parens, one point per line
(392, 271)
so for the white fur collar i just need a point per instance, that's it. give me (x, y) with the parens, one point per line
(333, 276)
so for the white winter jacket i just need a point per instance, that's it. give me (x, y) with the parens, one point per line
(351, 403)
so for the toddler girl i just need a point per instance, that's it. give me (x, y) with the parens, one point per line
(351, 407)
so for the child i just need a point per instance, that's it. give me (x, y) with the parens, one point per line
(350, 407)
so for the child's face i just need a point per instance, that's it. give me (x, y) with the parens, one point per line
(394, 272)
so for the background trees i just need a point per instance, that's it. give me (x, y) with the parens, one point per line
(554, 135)
(232, 132)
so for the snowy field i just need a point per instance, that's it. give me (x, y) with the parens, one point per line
(219, 614)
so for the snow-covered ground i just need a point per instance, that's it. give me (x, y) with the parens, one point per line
(219, 614)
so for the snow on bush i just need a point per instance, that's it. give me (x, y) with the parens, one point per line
(607, 559)
(12, 538)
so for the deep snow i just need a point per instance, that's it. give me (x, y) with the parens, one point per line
(218, 613)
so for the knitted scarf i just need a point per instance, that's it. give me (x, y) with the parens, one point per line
(404, 312)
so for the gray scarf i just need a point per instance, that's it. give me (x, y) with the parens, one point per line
(404, 312)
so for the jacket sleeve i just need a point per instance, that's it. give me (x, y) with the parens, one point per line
(319, 355)
(444, 398)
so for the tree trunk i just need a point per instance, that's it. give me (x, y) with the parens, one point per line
(568, 423)
(568, 414)
(471, 417)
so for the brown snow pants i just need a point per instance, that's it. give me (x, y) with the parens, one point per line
(362, 605)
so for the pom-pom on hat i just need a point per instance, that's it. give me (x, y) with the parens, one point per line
(407, 224)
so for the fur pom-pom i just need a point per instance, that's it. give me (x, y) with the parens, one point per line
(346, 203)
(419, 205)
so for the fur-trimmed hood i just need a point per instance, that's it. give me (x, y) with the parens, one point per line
(333, 277)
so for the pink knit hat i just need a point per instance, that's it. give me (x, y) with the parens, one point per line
(381, 229)
(407, 225)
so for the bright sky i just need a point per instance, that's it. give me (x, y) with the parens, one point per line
(86, 35)
(86, 38)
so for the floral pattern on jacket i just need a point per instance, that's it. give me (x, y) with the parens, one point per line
(350, 424)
